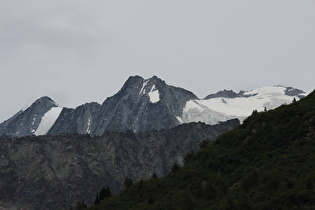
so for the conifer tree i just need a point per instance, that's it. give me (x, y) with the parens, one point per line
(97, 199)
(175, 167)
(154, 176)
(80, 205)
(128, 182)
(294, 100)
(105, 193)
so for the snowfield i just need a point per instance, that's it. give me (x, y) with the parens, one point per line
(214, 110)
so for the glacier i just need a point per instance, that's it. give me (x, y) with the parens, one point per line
(215, 110)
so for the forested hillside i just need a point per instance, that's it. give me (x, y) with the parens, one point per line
(268, 162)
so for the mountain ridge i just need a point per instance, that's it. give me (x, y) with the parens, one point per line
(145, 104)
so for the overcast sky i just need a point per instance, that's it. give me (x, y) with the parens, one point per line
(79, 51)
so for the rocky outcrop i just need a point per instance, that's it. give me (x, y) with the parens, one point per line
(54, 172)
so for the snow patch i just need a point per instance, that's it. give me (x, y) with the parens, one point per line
(48, 120)
(180, 120)
(33, 122)
(154, 95)
(145, 82)
(88, 129)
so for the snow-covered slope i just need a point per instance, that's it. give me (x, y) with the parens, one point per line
(216, 109)
(48, 121)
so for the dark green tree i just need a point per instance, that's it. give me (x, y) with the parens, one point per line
(189, 156)
(294, 100)
(128, 182)
(97, 199)
(175, 168)
(105, 193)
(154, 176)
(80, 205)
(203, 144)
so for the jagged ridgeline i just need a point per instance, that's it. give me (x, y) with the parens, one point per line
(143, 105)
(268, 162)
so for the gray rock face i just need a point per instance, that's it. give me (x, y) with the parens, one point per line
(54, 172)
(26, 122)
(223, 94)
(140, 105)
(79, 120)
(290, 91)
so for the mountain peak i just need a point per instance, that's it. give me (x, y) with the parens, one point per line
(223, 94)
(137, 78)
(34, 119)
(154, 78)
(142, 86)
(45, 100)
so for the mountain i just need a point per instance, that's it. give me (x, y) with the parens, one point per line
(35, 119)
(267, 162)
(139, 106)
(142, 105)
(53, 172)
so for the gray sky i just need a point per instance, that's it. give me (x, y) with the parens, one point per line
(79, 51)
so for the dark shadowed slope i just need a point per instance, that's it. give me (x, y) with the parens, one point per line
(53, 172)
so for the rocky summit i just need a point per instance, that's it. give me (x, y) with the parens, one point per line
(140, 105)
